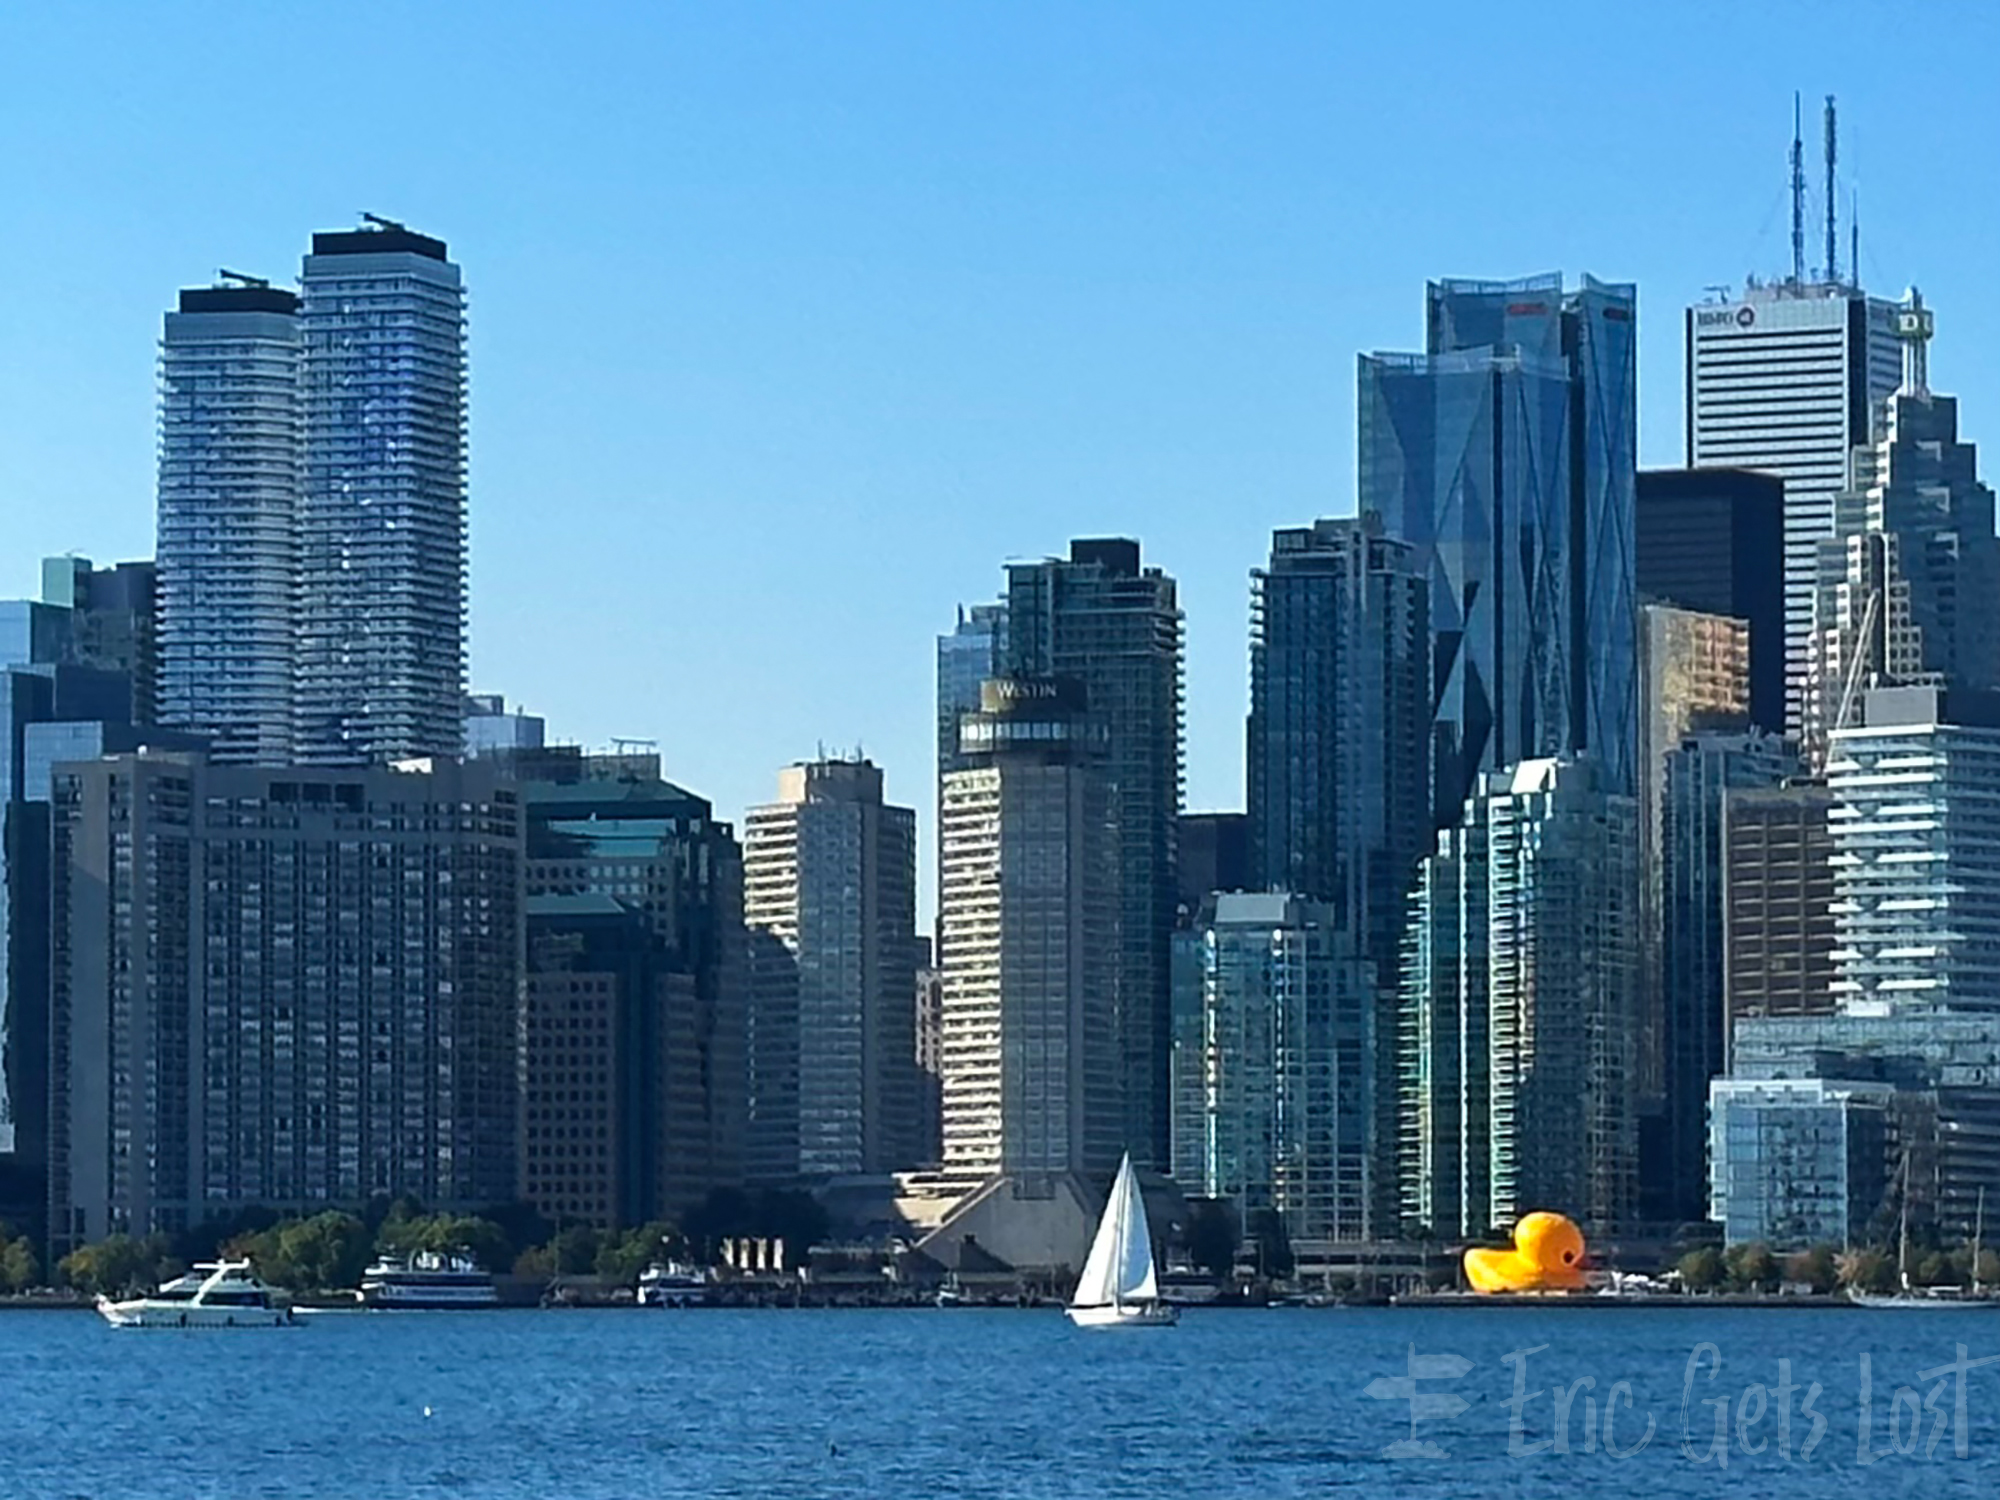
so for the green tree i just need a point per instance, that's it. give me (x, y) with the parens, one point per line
(621, 1257)
(1868, 1271)
(1212, 1236)
(118, 1264)
(19, 1267)
(1751, 1268)
(1989, 1268)
(1701, 1270)
(573, 1252)
(1815, 1268)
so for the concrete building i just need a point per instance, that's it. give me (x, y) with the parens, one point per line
(1777, 937)
(1713, 541)
(1787, 380)
(1277, 1078)
(232, 469)
(1114, 626)
(829, 883)
(608, 827)
(289, 988)
(1504, 457)
(1520, 990)
(1032, 1079)
(930, 1057)
(382, 521)
(1916, 859)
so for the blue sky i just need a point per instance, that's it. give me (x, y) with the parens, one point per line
(790, 324)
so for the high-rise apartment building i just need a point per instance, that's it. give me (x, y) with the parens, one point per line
(1504, 457)
(1916, 855)
(1777, 939)
(1787, 380)
(382, 519)
(1212, 853)
(1687, 955)
(1031, 1073)
(1520, 1040)
(609, 827)
(1273, 1091)
(232, 469)
(1713, 541)
(1113, 626)
(285, 987)
(829, 901)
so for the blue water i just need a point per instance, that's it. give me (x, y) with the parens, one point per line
(990, 1404)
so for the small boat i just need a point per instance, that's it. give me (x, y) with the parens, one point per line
(674, 1284)
(951, 1294)
(1928, 1299)
(427, 1282)
(1118, 1288)
(215, 1294)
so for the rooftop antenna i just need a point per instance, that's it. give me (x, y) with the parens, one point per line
(1798, 199)
(1854, 237)
(1717, 291)
(1832, 234)
(381, 223)
(239, 279)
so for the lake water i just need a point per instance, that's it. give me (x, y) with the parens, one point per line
(986, 1403)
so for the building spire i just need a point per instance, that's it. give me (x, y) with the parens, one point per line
(1798, 198)
(1913, 327)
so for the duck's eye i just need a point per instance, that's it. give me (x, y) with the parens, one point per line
(1569, 1257)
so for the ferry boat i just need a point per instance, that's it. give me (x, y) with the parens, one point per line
(428, 1282)
(674, 1284)
(215, 1294)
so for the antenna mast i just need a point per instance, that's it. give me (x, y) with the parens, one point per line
(1832, 234)
(1854, 237)
(1798, 199)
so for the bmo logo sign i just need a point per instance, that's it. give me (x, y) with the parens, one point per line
(1724, 317)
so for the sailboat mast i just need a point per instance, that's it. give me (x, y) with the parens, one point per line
(1903, 1239)
(1978, 1229)
(1118, 1195)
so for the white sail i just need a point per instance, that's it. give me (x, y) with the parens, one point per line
(1120, 1266)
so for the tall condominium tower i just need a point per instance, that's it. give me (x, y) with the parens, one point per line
(1713, 541)
(279, 987)
(1031, 1074)
(1100, 618)
(1777, 941)
(231, 474)
(1787, 380)
(1504, 456)
(381, 638)
(829, 898)
(1520, 982)
(1339, 790)
(114, 622)
(1272, 1090)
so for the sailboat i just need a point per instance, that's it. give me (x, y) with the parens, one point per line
(1935, 1297)
(1118, 1288)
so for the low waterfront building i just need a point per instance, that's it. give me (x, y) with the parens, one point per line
(1797, 1162)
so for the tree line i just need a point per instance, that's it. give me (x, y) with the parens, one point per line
(328, 1251)
(1826, 1268)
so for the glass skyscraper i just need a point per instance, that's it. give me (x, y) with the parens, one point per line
(1505, 455)
(381, 647)
(1100, 618)
(231, 467)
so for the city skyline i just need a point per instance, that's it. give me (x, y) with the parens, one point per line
(1245, 425)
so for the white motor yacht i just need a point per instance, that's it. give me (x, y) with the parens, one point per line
(675, 1284)
(427, 1282)
(219, 1294)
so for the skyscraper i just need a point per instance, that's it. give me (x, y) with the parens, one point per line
(1520, 1039)
(1504, 456)
(114, 622)
(1277, 1093)
(829, 900)
(381, 640)
(1713, 541)
(1777, 854)
(1339, 790)
(232, 467)
(280, 987)
(1031, 1073)
(1787, 380)
(1101, 619)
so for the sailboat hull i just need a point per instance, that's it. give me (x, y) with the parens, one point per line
(1124, 1315)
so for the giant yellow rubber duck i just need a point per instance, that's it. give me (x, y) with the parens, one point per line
(1547, 1257)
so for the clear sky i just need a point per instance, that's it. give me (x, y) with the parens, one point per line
(791, 323)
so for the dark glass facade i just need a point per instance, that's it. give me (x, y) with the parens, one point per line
(1505, 457)
(1714, 540)
(1101, 618)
